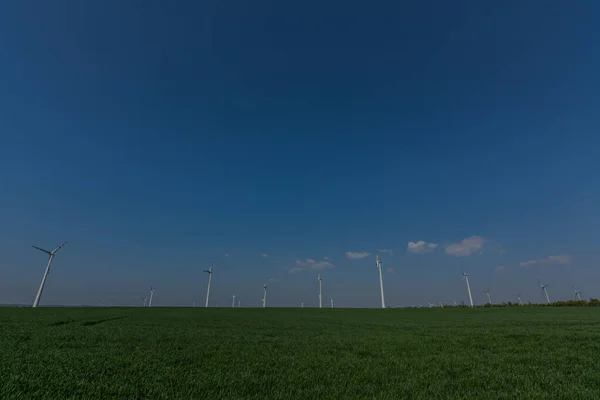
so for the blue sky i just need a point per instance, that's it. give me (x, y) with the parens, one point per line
(159, 137)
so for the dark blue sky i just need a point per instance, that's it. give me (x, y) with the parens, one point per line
(157, 137)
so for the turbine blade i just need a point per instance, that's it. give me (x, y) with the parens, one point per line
(45, 251)
(58, 248)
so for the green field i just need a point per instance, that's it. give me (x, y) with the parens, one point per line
(177, 353)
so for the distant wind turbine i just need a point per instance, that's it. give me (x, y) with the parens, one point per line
(302, 304)
(320, 290)
(577, 294)
(331, 301)
(233, 302)
(239, 304)
(144, 300)
(209, 271)
(468, 286)
(487, 291)
(518, 296)
(544, 290)
(378, 265)
(50, 257)
(151, 295)
(264, 300)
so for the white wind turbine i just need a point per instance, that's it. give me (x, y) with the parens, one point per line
(144, 300)
(430, 304)
(487, 292)
(331, 301)
(378, 265)
(233, 302)
(264, 300)
(320, 291)
(468, 286)
(50, 257)
(151, 296)
(544, 290)
(239, 304)
(577, 294)
(209, 271)
(302, 304)
(518, 296)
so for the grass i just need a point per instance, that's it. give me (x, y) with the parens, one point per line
(176, 353)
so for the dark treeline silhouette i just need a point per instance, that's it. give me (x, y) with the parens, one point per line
(569, 303)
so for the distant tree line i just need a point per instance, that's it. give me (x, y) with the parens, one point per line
(569, 303)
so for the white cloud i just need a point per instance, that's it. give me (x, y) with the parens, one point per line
(421, 247)
(265, 255)
(325, 258)
(272, 279)
(226, 254)
(310, 265)
(561, 259)
(390, 252)
(356, 255)
(466, 247)
(390, 270)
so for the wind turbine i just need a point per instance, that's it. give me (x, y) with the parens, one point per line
(145, 300)
(264, 300)
(239, 304)
(331, 301)
(151, 295)
(378, 265)
(302, 304)
(50, 257)
(577, 294)
(430, 304)
(518, 296)
(320, 290)
(544, 290)
(233, 302)
(487, 291)
(209, 271)
(468, 286)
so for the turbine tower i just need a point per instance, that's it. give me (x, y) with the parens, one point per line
(468, 286)
(544, 290)
(50, 257)
(487, 291)
(151, 295)
(239, 304)
(233, 302)
(209, 271)
(145, 300)
(378, 265)
(320, 291)
(264, 300)
(302, 304)
(331, 301)
(577, 294)
(518, 296)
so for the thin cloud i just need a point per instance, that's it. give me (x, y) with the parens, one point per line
(264, 255)
(421, 247)
(390, 270)
(310, 265)
(356, 255)
(466, 247)
(499, 268)
(226, 254)
(560, 259)
(390, 252)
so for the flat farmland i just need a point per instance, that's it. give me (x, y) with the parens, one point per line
(278, 353)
